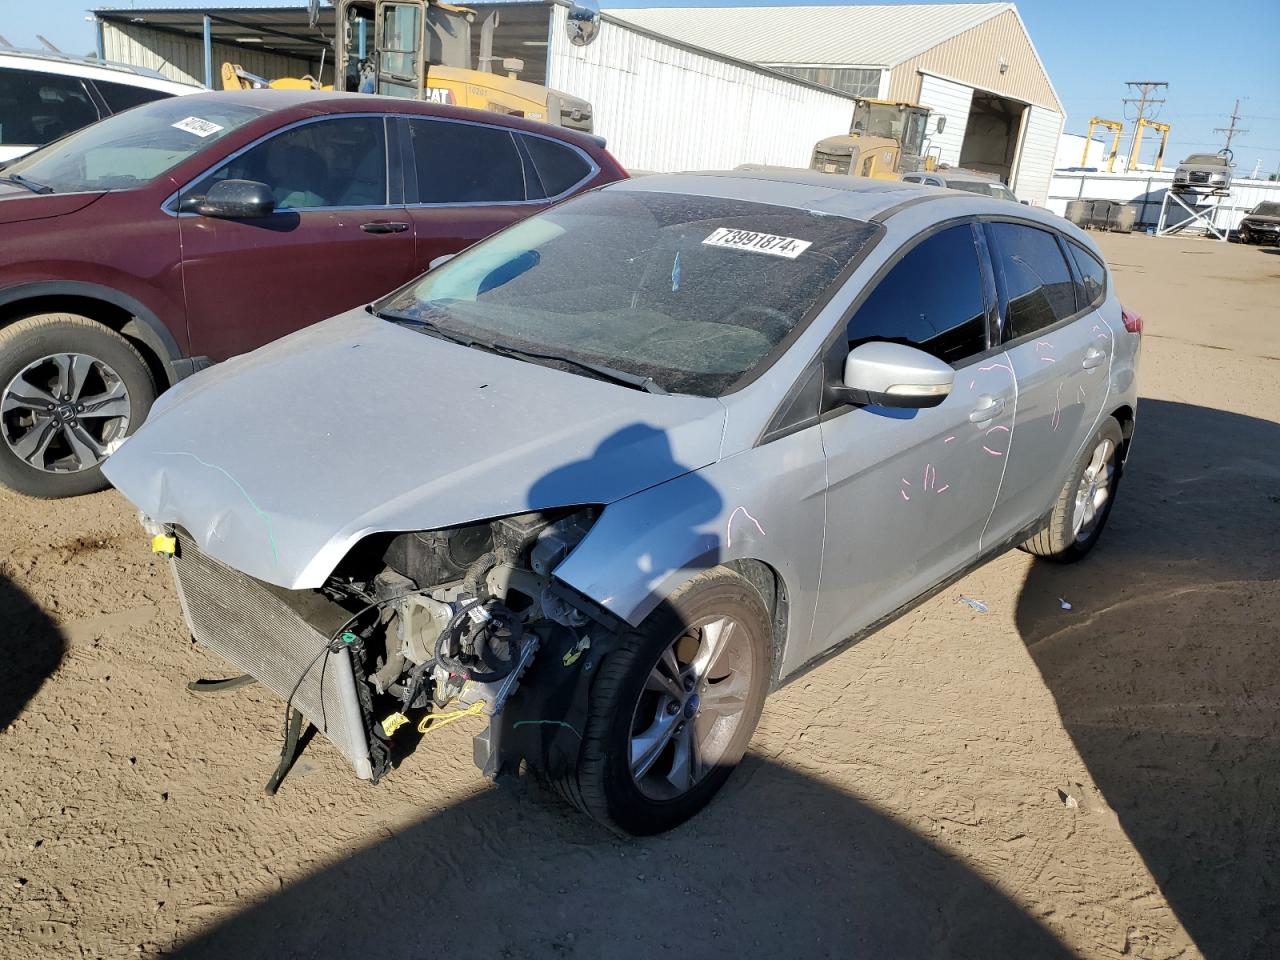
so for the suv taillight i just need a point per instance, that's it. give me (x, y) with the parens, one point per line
(1132, 321)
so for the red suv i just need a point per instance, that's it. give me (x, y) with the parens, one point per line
(185, 231)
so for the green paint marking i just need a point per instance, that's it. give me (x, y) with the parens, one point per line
(554, 723)
(266, 518)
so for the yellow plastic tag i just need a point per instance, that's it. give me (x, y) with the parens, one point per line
(393, 723)
(163, 544)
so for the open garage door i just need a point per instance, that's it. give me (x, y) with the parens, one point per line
(991, 137)
(949, 99)
(1034, 166)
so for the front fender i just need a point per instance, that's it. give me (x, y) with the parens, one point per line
(767, 503)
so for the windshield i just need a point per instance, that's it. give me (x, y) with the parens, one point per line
(693, 292)
(134, 147)
(1267, 209)
(878, 120)
(1206, 159)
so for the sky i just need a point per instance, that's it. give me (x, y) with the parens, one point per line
(1089, 47)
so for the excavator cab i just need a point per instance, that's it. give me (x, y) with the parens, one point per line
(886, 138)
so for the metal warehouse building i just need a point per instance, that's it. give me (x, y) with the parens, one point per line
(973, 63)
(700, 87)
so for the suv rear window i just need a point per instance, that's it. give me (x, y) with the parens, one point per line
(560, 168)
(122, 96)
(133, 148)
(466, 163)
(37, 107)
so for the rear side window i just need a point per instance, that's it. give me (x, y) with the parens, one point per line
(122, 96)
(932, 299)
(560, 168)
(1093, 276)
(1037, 283)
(329, 163)
(36, 107)
(466, 163)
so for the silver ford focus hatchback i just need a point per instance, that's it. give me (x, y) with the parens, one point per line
(610, 476)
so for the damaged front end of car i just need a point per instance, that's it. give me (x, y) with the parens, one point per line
(415, 630)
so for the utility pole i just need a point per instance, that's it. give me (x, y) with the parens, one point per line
(1232, 130)
(1144, 88)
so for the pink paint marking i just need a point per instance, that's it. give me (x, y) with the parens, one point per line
(1048, 360)
(998, 426)
(971, 383)
(1082, 394)
(928, 468)
(728, 529)
(904, 495)
(948, 439)
(1043, 343)
(945, 486)
(996, 366)
(1056, 420)
(1103, 336)
(906, 481)
(994, 453)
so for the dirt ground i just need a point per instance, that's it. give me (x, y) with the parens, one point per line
(1029, 782)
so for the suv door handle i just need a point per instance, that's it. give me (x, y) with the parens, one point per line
(988, 408)
(384, 226)
(1092, 358)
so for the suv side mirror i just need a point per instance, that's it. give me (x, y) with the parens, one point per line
(940, 124)
(235, 200)
(894, 375)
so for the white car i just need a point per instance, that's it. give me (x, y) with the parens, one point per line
(44, 96)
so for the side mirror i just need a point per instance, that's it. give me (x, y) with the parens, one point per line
(941, 125)
(235, 200)
(440, 260)
(582, 22)
(894, 375)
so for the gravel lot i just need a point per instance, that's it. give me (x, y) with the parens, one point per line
(1029, 782)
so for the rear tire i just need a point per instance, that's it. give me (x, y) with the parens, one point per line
(711, 722)
(1085, 502)
(70, 389)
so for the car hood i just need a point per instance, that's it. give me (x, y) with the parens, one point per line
(1262, 218)
(277, 462)
(18, 203)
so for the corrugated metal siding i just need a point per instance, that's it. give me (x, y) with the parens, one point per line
(664, 108)
(180, 58)
(951, 100)
(1034, 166)
(865, 35)
(974, 57)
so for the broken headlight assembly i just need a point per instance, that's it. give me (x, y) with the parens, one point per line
(448, 623)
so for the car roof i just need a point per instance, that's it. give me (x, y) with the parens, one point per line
(93, 69)
(315, 102)
(858, 198)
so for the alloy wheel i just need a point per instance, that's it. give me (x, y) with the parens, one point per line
(691, 706)
(64, 413)
(1094, 490)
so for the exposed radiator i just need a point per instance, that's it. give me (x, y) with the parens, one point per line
(237, 618)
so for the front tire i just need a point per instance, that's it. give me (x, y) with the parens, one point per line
(674, 707)
(70, 390)
(1084, 504)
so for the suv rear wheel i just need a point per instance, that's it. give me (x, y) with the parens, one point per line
(674, 707)
(70, 391)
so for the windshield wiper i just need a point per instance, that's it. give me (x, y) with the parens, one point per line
(647, 384)
(432, 328)
(21, 181)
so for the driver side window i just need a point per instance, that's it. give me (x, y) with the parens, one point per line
(931, 299)
(329, 163)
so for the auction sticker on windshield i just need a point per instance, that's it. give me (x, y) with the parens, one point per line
(769, 243)
(201, 128)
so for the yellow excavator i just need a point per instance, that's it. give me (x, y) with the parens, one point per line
(886, 139)
(422, 49)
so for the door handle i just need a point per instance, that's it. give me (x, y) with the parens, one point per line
(1092, 358)
(384, 226)
(988, 408)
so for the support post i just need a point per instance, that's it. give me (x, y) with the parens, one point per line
(102, 43)
(208, 52)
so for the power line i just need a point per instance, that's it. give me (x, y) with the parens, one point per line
(1144, 100)
(1232, 130)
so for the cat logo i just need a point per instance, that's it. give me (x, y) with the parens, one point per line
(438, 95)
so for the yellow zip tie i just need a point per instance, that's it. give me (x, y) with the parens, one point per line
(434, 721)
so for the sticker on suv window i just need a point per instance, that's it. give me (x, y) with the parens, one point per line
(775, 246)
(201, 128)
